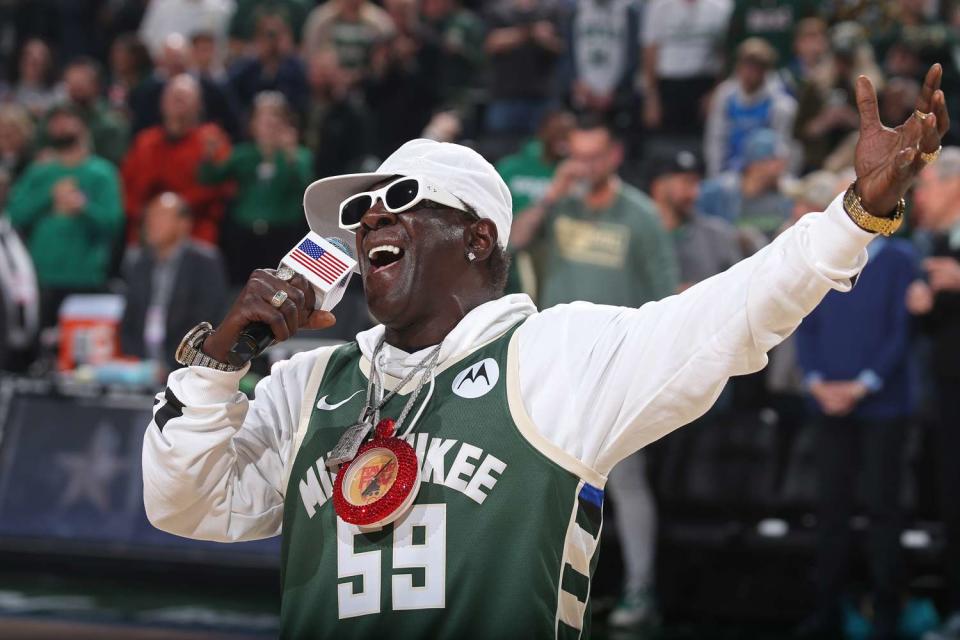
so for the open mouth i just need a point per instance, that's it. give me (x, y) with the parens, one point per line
(384, 256)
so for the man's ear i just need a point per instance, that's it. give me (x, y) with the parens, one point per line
(481, 238)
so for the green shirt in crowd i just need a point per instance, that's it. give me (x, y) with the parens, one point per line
(68, 250)
(528, 176)
(620, 255)
(268, 191)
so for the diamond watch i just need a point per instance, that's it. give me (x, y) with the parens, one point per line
(189, 353)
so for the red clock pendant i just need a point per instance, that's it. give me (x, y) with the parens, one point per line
(380, 484)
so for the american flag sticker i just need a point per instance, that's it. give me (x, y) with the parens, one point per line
(319, 261)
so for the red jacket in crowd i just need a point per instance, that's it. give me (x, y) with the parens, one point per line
(157, 163)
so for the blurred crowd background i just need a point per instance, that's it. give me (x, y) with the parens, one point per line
(154, 152)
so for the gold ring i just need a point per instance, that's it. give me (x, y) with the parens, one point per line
(279, 298)
(930, 157)
(920, 115)
(285, 273)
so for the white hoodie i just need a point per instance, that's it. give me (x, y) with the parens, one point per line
(596, 382)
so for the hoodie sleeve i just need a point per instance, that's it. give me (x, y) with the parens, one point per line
(601, 382)
(214, 463)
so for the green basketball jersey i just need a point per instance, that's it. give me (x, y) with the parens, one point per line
(500, 542)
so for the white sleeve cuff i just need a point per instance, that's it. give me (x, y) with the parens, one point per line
(836, 243)
(198, 386)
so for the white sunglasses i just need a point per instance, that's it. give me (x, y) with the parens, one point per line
(400, 195)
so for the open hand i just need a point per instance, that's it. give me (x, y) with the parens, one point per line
(887, 160)
(944, 273)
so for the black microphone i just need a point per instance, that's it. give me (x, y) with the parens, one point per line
(257, 336)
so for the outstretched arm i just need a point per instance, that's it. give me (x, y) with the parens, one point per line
(601, 382)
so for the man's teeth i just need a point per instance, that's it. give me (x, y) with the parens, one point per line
(386, 247)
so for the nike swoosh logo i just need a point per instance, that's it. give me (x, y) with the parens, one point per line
(323, 406)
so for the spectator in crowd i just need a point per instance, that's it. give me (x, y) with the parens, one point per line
(35, 87)
(917, 33)
(338, 124)
(204, 61)
(172, 283)
(528, 174)
(271, 172)
(605, 244)
(937, 301)
(164, 18)
(775, 21)
(130, 67)
(753, 98)
(109, 132)
(166, 157)
(271, 68)
(244, 21)
(455, 34)
(827, 109)
(751, 199)
(176, 58)
(602, 59)
(350, 28)
(523, 46)
(16, 136)
(811, 49)
(401, 86)
(682, 60)
(850, 348)
(705, 245)
(68, 209)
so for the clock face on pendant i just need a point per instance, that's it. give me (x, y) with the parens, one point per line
(379, 485)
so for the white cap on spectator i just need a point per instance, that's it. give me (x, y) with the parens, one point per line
(455, 168)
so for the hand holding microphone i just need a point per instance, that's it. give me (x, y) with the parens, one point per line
(274, 305)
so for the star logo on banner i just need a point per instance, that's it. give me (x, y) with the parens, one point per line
(91, 471)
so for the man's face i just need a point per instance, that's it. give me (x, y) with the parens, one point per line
(63, 126)
(599, 155)
(402, 288)
(271, 31)
(811, 44)
(81, 84)
(770, 169)
(163, 226)
(934, 198)
(679, 192)
(204, 51)
(750, 74)
(180, 106)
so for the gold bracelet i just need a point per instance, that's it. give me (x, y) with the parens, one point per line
(866, 220)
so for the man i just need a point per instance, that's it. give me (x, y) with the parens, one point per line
(603, 239)
(682, 43)
(858, 376)
(525, 415)
(166, 158)
(523, 46)
(528, 174)
(750, 198)
(109, 133)
(179, 57)
(605, 244)
(351, 28)
(937, 302)
(68, 209)
(751, 100)
(705, 245)
(602, 58)
(172, 283)
(271, 68)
